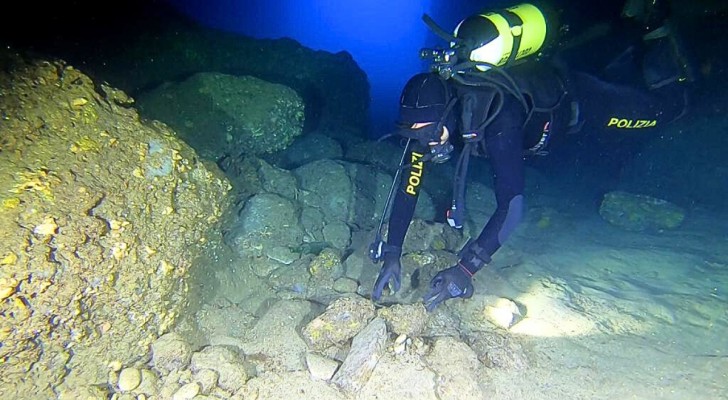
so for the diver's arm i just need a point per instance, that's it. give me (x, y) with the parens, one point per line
(506, 154)
(403, 209)
(405, 199)
(504, 142)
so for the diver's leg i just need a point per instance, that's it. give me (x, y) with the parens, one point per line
(605, 106)
(651, 14)
(666, 59)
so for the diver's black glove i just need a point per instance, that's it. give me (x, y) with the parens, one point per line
(449, 283)
(391, 269)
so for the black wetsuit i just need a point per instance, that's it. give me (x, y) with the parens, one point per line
(570, 103)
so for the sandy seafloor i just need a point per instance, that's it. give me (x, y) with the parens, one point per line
(619, 315)
(609, 314)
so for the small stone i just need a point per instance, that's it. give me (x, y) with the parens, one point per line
(207, 379)
(112, 378)
(228, 364)
(48, 227)
(187, 392)
(149, 385)
(171, 352)
(504, 313)
(263, 267)
(407, 319)
(400, 344)
(105, 327)
(346, 285)
(326, 265)
(220, 393)
(10, 259)
(129, 379)
(79, 102)
(281, 254)
(341, 321)
(7, 287)
(321, 368)
(168, 390)
(338, 234)
(85, 392)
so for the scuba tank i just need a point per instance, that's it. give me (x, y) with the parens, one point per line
(502, 37)
(484, 41)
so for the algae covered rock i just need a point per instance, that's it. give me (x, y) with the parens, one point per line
(221, 114)
(102, 217)
(341, 321)
(267, 222)
(458, 365)
(428, 236)
(636, 212)
(309, 148)
(366, 350)
(171, 352)
(230, 366)
(350, 193)
(326, 265)
(334, 88)
(498, 350)
(405, 319)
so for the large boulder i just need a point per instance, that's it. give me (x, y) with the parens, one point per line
(333, 87)
(348, 192)
(102, 217)
(319, 204)
(637, 212)
(308, 148)
(267, 221)
(221, 114)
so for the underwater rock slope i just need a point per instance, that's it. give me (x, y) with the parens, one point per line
(101, 218)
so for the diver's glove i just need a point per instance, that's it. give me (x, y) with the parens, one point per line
(449, 283)
(391, 270)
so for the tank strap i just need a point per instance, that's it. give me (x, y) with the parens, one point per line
(513, 21)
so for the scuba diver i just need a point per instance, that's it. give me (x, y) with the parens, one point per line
(482, 91)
